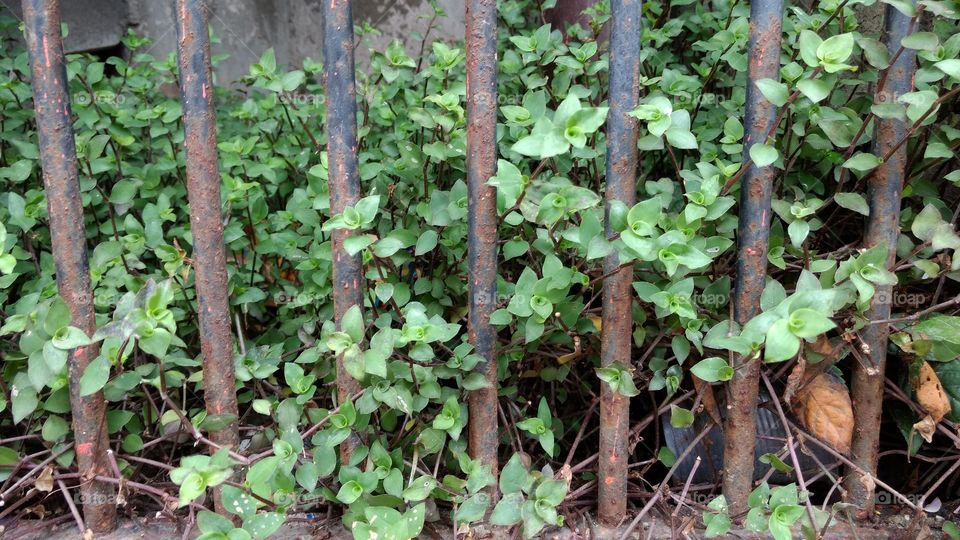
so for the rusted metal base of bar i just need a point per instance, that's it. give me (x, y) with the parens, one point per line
(481, 33)
(59, 162)
(206, 221)
(616, 337)
(766, 19)
(883, 193)
(344, 179)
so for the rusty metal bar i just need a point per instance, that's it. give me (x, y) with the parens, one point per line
(344, 179)
(206, 220)
(617, 328)
(481, 37)
(61, 183)
(766, 20)
(883, 194)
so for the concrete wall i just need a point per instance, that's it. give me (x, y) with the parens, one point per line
(247, 28)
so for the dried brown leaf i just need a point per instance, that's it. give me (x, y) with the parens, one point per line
(926, 428)
(793, 381)
(44, 480)
(930, 394)
(824, 408)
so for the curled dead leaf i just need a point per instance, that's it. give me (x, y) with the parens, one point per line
(823, 347)
(566, 475)
(793, 381)
(930, 394)
(926, 428)
(824, 408)
(44, 480)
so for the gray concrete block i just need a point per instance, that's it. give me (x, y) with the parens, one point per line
(247, 28)
(92, 24)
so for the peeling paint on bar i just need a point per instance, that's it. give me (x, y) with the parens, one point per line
(884, 188)
(338, 73)
(61, 184)
(766, 21)
(206, 220)
(616, 338)
(481, 36)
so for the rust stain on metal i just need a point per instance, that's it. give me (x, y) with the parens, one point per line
(338, 73)
(616, 334)
(481, 43)
(884, 188)
(206, 220)
(766, 19)
(61, 184)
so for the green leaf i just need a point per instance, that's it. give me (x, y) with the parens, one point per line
(426, 242)
(775, 92)
(264, 525)
(681, 138)
(352, 323)
(774, 461)
(588, 119)
(816, 90)
(781, 343)
(835, 50)
(472, 509)
(54, 429)
(350, 492)
(23, 403)
(514, 476)
(924, 41)
(713, 369)
(808, 323)
(542, 145)
(763, 154)
(95, 377)
(782, 518)
(853, 201)
(809, 43)
(507, 512)
(719, 526)
(420, 488)
(680, 417)
(951, 67)
(70, 337)
(192, 487)
(798, 231)
(952, 530)
(58, 317)
(862, 162)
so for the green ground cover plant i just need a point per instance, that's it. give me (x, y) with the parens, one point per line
(408, 345)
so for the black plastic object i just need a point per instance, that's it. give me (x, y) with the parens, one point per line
(770, 440)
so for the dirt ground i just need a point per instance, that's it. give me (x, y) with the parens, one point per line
(893, 527)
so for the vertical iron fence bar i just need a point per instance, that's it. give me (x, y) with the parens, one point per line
(342, 162)
(766, 20)
(883, 193)
(61, 182)
(206, 219)
(481, 41)
(616, 334)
